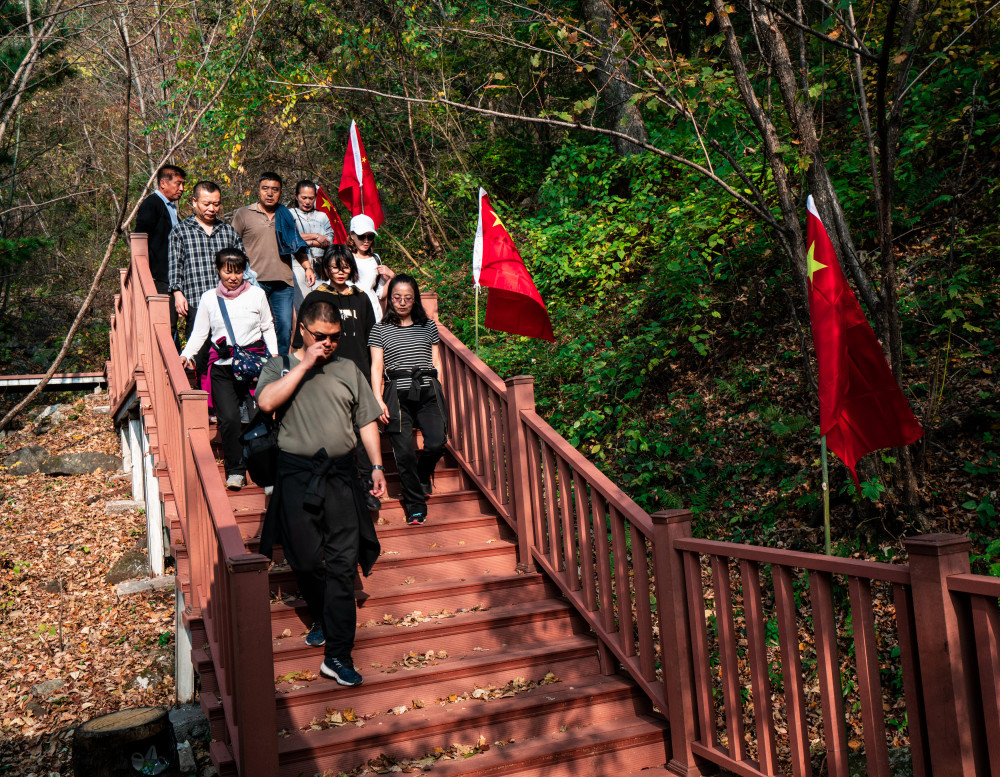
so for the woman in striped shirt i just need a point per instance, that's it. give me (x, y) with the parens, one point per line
(406, 363)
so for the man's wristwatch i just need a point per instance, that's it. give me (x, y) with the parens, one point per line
(377, 466)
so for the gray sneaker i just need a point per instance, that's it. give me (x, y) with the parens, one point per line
(235, 482)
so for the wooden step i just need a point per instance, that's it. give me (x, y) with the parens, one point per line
(605, 749)
(460, 634)
(424, 565)
(298, 703)
(417, 732)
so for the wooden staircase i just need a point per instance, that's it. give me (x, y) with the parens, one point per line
(470, 668)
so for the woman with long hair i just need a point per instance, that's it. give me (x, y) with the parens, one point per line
(406, 363)
(252, 327)
(372, 274)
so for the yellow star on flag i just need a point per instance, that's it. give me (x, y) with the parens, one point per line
(325, 203)
(812, 265)
(364, 159)
(498, 222)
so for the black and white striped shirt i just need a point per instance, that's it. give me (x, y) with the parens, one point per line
(405, 347)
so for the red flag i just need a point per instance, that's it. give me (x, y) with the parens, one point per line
(357, 183)
(861, 407)
(324, 204)
(514, 304)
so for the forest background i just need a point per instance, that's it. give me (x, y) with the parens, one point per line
(650, 159)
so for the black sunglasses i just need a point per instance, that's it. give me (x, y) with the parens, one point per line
(332, 337)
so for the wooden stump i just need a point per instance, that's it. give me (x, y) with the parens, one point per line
(124, 744)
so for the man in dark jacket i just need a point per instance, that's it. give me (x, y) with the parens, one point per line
(156, 217)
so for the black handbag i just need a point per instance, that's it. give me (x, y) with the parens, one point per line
(260, 445)
(260, 449)
(246, 364)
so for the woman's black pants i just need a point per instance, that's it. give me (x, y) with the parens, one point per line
(227, 396)
(425, 414)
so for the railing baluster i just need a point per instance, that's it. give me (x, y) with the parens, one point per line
(728, 661)
(986, 623)
(619, 548)
(791, 668)
(699, 650)
(760, 685)
(869, 687)
(831, 693)
(600, 529)
(643, 609)
(586, 544)
(535, 478)
(906, 636)
(568, 530)
(550, 506)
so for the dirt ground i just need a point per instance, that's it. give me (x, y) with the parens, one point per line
(71, 648)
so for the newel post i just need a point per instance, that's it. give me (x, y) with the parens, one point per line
(520, 398)
(933, 557)
(675, 639)
(429, 299)
(253, 659)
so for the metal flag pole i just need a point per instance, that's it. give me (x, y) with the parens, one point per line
(477, 319)
(826, 494)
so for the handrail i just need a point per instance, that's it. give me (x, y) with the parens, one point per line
(229, 585)
(815, 562)
(597, 479)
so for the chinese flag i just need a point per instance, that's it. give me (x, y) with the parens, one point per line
(323, 203)
(514, 304)
(357, 183)
(861, 407)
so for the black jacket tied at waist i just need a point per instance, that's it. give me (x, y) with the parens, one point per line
(415, 374)
(300, 485)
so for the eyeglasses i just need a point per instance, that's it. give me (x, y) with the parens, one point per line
(397, 298)
(369, 238)
(332, 336)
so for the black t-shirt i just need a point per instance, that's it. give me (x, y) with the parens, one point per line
(356, 321)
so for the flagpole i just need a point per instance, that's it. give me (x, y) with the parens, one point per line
(477, 319)
(826, 494)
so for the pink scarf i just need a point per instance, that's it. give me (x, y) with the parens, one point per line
(222, 291)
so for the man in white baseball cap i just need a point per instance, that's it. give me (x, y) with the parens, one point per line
(373, 276)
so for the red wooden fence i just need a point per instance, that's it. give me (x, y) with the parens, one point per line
(717, 634)
(229, 586)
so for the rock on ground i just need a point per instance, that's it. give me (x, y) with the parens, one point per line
(189, 723)
(24, 461)
(133, 564)
(80, 463)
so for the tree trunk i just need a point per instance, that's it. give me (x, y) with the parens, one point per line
(616, 92)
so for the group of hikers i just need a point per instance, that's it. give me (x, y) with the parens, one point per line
(278, 315)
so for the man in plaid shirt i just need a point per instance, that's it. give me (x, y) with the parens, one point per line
(193, 244)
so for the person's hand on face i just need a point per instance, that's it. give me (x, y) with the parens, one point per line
(319, 341)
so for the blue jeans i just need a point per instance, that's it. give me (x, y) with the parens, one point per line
(280, 296)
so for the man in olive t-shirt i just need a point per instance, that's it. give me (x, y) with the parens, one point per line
(317, 502)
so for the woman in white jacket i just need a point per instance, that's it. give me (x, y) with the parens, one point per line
(253, 329)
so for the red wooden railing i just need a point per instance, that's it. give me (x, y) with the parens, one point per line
(228, 586)
(715, 633)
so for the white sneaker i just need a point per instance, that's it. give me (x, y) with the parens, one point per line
(235, 482)
(268, 490)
